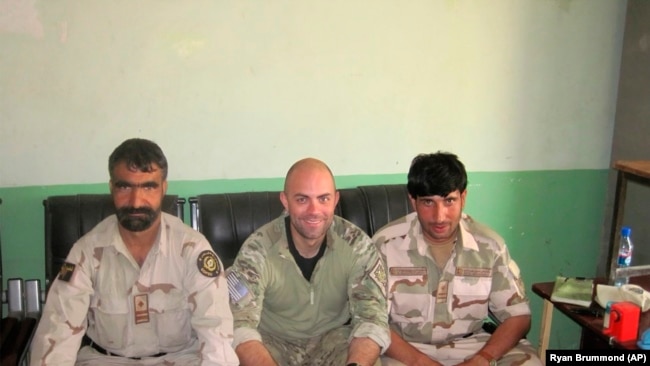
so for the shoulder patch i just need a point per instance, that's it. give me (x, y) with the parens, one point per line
(236, 288)
(378, 275)
(208, 264)
(66, 271)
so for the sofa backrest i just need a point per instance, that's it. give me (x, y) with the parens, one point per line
(68, 218)
(384, 203)
(227, 219)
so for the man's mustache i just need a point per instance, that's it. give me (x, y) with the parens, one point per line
(135, 210)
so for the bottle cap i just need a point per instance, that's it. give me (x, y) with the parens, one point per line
(626, 231)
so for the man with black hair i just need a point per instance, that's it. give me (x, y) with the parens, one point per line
(445, 271)
(141, 288)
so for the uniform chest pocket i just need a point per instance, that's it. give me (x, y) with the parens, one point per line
(472, 287)
(407, 308)
(171, 317)
(409, 294)
(471, 296)
(111, 320)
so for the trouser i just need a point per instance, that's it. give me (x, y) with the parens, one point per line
(330, 348)
(461, 349)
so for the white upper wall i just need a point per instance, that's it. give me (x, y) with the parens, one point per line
(242, 89)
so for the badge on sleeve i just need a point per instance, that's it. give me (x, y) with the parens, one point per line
(236, 288)
(66, 271)
(208, 264)
(378, 275)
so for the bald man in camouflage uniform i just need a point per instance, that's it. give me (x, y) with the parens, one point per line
(445, 271)
(141, 288)
(298, 280)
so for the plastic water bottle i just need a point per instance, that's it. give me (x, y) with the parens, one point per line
(624, 254)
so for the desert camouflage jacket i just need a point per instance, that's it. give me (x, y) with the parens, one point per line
(178, 295)
(429, 305)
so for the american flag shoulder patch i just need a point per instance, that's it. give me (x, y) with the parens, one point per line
(236, 288)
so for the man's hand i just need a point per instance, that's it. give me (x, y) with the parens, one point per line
(253, 353)
(363, 351)
(506, 336)
(475, 360)
(405, 353)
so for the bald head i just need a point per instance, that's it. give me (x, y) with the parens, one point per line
(307, 166)
(310, 198)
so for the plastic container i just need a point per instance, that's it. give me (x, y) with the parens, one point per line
(625, 249)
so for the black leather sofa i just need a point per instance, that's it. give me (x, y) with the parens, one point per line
(68, 218)
(227, 219)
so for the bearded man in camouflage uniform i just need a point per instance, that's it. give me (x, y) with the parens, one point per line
(142, 288)
(308, 288)
(445, 271)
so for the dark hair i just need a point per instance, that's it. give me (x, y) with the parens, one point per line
(138, 154)
(436, 175)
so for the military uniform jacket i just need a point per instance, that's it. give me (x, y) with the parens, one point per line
(433, 306)
(269, 293)
(178, 295)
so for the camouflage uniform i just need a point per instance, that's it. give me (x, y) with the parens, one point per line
(441, 312)
(176, 303)
(303, 322)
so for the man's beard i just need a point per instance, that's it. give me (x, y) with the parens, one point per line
(136, 223)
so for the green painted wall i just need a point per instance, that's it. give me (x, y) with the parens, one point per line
(551, 221)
